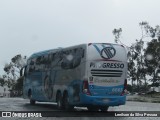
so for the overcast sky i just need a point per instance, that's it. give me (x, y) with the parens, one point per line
(28, 26)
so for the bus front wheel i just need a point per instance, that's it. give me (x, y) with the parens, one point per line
(32, 102)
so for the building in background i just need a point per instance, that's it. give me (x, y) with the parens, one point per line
(4, 91)
(157, 89)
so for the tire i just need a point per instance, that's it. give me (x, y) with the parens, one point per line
(32, 102)
(66, 104)
(59, 101)
(92, 108)
(104, 108)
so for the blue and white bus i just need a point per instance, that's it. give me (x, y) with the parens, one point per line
(89, 75)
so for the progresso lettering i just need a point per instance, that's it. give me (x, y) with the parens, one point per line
(106, 65)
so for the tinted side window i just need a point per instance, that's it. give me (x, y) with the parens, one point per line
(72, 58)
(38, 60)
(31, 66)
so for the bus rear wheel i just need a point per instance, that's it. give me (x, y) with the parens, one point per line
(104, 108)
(59, 101)
(92, 108)
(67, 106)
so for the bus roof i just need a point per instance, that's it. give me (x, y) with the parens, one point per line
(41, 53)
(53, 50)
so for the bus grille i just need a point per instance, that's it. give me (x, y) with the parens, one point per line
(106, 73)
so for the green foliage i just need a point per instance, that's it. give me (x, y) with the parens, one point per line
(19, 85)
(117, 34)
(129, 87)
(13, 68)
(12, 77)
(143, 61)
(2, 82)
(153, 49)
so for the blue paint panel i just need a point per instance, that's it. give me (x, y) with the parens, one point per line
(104, 87)
(101, 100)
(35, 84)
(74, 90)
(99, 51)
(106, 90)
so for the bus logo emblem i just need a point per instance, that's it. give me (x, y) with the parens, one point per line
(108, 52)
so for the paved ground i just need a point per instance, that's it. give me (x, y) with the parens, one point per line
(144, 98)
(20, 104)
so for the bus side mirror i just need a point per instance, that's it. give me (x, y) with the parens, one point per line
(21, 71)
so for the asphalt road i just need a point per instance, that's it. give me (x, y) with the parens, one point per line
(20, 104)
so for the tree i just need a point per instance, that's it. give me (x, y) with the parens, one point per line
(129, 87)
(131, 55)
(153, 49)
(13, 70)
(141, 68)
(148, 31)
(117, 33)
(2, 82)
(138, 65)
(19, 84)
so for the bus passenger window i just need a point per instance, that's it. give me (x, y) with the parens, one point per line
(46, 59)
(31, 66)
(42, 60)
(53, 56)
(49, 58)
(32, 63)
(38, 60)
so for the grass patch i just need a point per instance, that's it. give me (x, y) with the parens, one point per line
(155, 101)
(143, 99)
